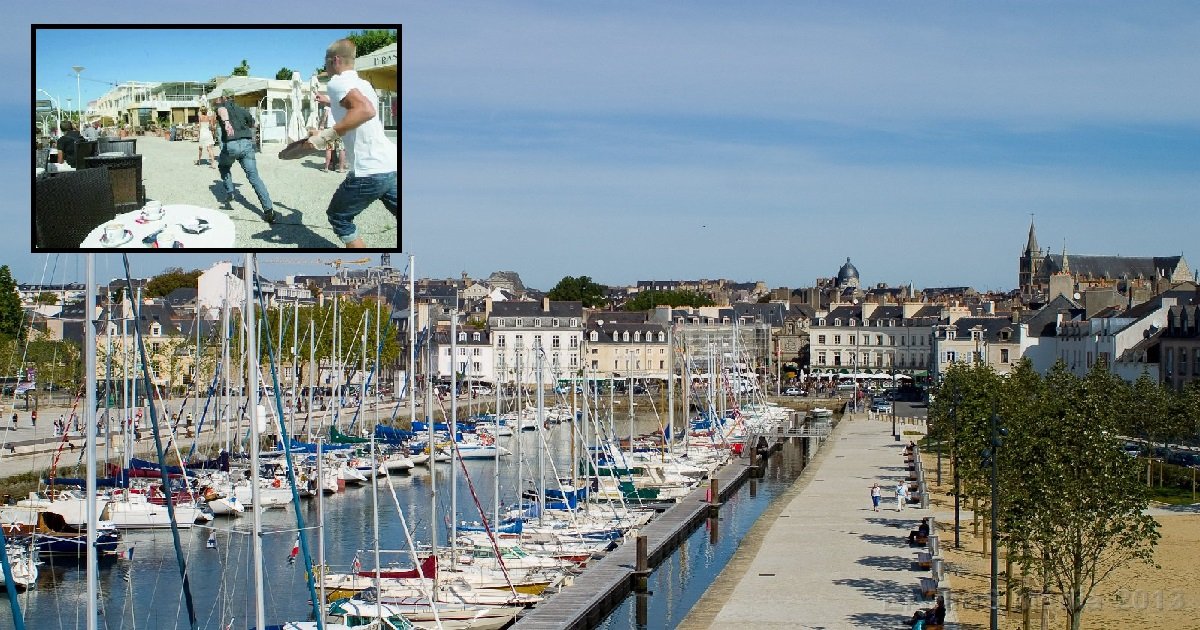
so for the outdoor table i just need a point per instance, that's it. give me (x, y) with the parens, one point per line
(219, 235)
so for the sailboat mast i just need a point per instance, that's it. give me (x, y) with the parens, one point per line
(496, 443)
(412, 346)
(375, 518)
(335, 365)
(89, 419)
(454, 433)
(541, 422)
(430, 373)
(252, 408)
(320, 512)
(670, 389)
(228, 413)
(295, 359)
(312, 374)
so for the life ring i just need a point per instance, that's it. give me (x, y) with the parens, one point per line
(275, 484)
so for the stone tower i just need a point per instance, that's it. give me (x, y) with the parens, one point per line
(1030, 261)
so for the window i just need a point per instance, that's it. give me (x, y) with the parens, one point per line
(476, 368)
(593, 336)
(837, 340)
(637, 336)
(475, 352)
(462, 336)
(662, 365)
(595, 364)
(553, 322)
(1196, 361)
(537, 322)
(518, 340)
(879, 340)
(475, 337)
(866, 322)
(1170, 361)
(574, 342)
(662, 336)
(462, 352)
(574, 322)
(950, 357)
(853, 340)
(615, 362)
(879, 360)
(520, 321)
(821, 358)
(852, 321)
(154, 346)
(1004, 355)
(625, 337)
(821, 339)
(537, 341)
(554, 342)
(155, 330)
(837, 321)
(554, 359)
(574, 360)
(837, 358)
(500, 341)
(866, 340)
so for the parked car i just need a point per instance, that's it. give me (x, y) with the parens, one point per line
(794, 391)
(882, 406)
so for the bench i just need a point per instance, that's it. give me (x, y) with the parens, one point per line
(929, 587)
(924, 560)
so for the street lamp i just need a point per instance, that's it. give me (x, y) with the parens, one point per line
(78, 96)
(57, 106)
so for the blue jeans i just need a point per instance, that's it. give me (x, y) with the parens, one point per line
(354, 195)
(242, 151)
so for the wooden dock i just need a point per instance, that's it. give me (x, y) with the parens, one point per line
(605, 583)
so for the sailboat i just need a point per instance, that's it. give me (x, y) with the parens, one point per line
(23, 562)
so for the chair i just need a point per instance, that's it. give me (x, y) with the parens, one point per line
(83, 150)
(125, 173)
(41, 157)
(128, 147)
(69, 206)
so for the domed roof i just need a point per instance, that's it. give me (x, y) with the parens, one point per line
(846, 273)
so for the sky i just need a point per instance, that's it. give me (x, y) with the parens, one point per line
(147, 55)
(772, 140)
(169, 55)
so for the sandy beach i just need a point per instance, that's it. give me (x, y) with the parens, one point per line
(300, 191)
(1166, 597)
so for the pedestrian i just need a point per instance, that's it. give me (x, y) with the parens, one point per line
(14, 419)
(33, 418)
(901, 494)
(876, 493)
(236, 126)
(371, 154)
(335, 147)
(205, 138)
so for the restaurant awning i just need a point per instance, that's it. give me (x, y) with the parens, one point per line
(379, 68)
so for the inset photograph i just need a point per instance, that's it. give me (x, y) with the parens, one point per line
(223, 139)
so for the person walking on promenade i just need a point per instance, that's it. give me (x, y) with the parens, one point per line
(33, 418)
(335, 147)
(206, 138)
(876, 493)
(371, 154)
(14, 419)
(236, 126)
(901, 492)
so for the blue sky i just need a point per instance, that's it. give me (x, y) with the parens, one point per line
(170, 55)
(772, 140)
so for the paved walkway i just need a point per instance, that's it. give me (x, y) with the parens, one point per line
(299, 189)
(820, 557)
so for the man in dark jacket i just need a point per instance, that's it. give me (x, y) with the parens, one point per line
(66, 143)
(236, 127)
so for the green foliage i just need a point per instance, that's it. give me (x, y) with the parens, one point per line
(171, 279)
(370, 40)
(1071, 502)
(242, 70)
(284, 74)
(649, 299)
(46, 298)
(12, 317)
(579, 289)
(351, 317)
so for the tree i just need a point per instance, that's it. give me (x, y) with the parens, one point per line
(580, 289)
(46, 298)
(12, 317)
(1075, 506)
(649, 299)
(370, 40)
(171, 279)
(242, 70)
(284, 74)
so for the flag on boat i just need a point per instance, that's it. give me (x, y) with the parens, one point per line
(127, 554)
(295, 551)
(356, 564)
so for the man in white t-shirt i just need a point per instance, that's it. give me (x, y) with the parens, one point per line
(372, 156)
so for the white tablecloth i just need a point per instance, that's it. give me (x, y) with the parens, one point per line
(220, 233)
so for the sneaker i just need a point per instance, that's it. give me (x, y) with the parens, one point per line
(270, 216)
(227, 204)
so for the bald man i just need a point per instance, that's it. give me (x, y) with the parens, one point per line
(372, 156)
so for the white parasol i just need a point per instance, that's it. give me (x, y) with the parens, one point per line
(295, 124)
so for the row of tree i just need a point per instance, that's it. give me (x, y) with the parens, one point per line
(594, 295)
(1071, 503)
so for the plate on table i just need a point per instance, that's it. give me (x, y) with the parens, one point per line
(128, 236)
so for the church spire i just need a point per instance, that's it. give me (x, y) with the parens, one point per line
(1031, 247)
(1066, 265)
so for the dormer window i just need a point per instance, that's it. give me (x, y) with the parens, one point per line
(852, 320)
(594, 336)
(625, 337)
(574, 322)
(520, 321)
(554, 322)
(837, 321)
(821, 321)
(462, 336)
(662, 336)
(475, 336)
(866, 322)
(155, 329)
(537, 321)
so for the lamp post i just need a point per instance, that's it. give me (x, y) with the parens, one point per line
(78, 95)
(57, 106)
(893, 405)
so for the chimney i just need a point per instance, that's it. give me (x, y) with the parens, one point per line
(546, 304)
(487, 307)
